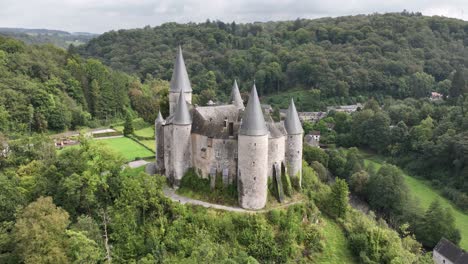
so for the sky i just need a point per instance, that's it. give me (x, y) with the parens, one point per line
(98, 16)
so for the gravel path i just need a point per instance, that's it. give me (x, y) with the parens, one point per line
(170, 193)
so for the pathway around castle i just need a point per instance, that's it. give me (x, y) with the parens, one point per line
(170, 193)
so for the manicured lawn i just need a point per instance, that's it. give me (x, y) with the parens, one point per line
(336, 246)
(145, 132)
(128, 148)
(150, 143)
(426, 194)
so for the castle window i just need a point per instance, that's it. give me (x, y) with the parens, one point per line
(231, 129)
(203, 153)
(218, 154)
(225, 122)
(210, 142)
(255, 144)
(253, 163)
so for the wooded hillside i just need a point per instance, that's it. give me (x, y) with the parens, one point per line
(402, 55)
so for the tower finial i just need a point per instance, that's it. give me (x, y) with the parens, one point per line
(253, 122)
(182, 114)
(180, 79)
(236, 98)
(292, 123)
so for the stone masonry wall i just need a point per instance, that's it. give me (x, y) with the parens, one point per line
(294, 157)
(252, 171)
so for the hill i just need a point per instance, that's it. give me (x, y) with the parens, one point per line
(397, 54)
(46, 88)
(59, 38)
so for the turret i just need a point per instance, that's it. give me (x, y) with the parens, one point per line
(181, 144)
(294, 144)
(179, 82)
(252, 176)
(159, 136)
(236, 98)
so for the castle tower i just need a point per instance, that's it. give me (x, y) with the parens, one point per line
(253, 156)
(181, 145)
(294, 144)
(236, 98)
(159, 136)
(179, 82)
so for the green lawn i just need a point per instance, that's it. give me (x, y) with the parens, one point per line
(426, 195)
(336, 246)
(128, 148)
(145, 132)
(150, 143)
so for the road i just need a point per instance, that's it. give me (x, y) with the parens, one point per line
(170, 193)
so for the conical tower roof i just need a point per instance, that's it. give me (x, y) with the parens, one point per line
(182, 114)
(236, 98)
(180, 79)
(160, 118)
(292, 123)
(253, 122)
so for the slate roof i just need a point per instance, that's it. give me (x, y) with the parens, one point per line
(159, 119)
(182, 114)
(210, 120)
(236, 98)
(451, 252)
(180, 79)
(292, 122)
(253, 122)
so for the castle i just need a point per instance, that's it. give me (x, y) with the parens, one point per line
(243, 145)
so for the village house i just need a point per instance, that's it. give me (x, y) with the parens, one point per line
(445, 252)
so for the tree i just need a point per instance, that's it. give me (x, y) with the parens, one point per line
(438, 222)
(312, 154)
(81, 249)
(359, 181)
(128, 125)
(458, 85)
(387, 191)
(40, 232)
(338, 200)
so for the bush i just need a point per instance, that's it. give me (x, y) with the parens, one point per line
(312, 154)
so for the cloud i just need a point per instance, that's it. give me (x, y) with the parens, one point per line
(104, 15)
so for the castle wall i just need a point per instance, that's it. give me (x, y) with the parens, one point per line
(167, 135)
(276, 153)
(252, 171)
(181, 151)
(294, 157)
(159, 136)
(214, 153)
(174, 98)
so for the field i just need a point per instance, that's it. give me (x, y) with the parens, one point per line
(426, 195)
(128, 148)
(336, 246)
(145, 132)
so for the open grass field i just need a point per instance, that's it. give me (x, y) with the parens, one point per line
(150, 143)
(128, 148)
(426, 194)
(336, 246)
(145, 132)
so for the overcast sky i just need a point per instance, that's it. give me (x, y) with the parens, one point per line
(103, 15)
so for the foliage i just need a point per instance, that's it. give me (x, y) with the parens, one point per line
(437, 223)
(398, 54)
(312, 154)
(338, 199)
(40, 232)
(128, 125)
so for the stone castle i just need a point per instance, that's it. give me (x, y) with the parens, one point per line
(243, 145)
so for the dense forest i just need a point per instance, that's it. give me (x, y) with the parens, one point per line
(401, 55)
(47, 88)
(79, 206)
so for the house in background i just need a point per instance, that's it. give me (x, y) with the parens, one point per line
(435, 96)
(445, 252)
(313, 139)
(345, 108)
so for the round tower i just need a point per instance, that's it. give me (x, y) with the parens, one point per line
(159, 136)
(182, 146)
(179, 82)
(294, 145)
(253, 156)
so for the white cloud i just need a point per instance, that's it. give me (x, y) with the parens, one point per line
(104, 15)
